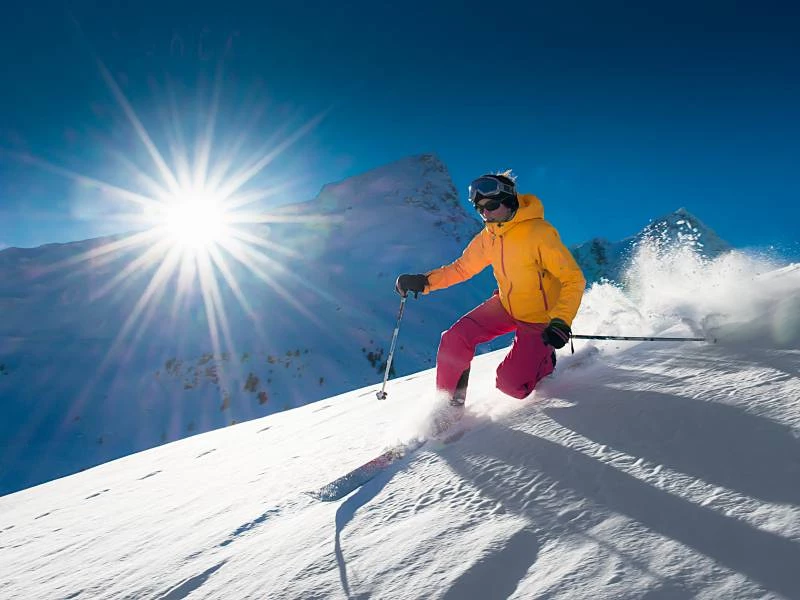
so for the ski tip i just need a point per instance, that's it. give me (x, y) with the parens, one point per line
(329, 493)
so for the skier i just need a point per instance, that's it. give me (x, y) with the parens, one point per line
(540, 287)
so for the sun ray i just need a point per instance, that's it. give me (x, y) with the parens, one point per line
(162, 273)
(169, 264)
(233, 284)
(243, 177)
(321, 219)
(207, 137)
(112, 250)
(157, 191)
(249, 258)
(222, 167)
(144, 137)
(276, 266)
(246, 252)
(177, 142)
(249, 238)
(215, 309)
(228, 187)
(243, 199)
(223, 267)
(149, 258)
(211, 315)
(185, 284)
(84, 179)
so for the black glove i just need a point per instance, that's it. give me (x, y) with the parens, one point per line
(410, 283)
(556, 334)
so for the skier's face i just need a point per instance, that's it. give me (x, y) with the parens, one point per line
(500, 213)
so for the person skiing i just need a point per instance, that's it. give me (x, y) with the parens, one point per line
(540, 287)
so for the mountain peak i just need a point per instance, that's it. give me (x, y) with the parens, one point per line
(409, 193)
(682, 228)
(600, 259)
(420, 180)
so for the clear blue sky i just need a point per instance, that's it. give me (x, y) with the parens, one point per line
(613, 113)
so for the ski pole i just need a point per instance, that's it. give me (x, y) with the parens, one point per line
(639, 339)
(382, 394)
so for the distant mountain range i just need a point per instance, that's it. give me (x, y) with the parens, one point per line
(604, 260)
(96, 362)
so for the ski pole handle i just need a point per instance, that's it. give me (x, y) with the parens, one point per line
(382, 393)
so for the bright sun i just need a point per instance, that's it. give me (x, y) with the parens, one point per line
(195, 221)
(199, 223)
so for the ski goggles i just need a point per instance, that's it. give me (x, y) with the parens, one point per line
(488, 187)
(489, 205)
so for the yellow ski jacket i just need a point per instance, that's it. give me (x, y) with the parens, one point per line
(537, 277)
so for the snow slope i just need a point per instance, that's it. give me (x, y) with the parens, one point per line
(658, 470)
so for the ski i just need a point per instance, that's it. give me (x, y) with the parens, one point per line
(352, 480)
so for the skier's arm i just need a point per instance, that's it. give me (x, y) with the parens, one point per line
(559, 262)
(470, 263)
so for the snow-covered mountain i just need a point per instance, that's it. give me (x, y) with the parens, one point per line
(653, 470)
(604, 260)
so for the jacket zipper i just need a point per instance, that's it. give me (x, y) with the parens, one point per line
(503, 269)
(541, 283)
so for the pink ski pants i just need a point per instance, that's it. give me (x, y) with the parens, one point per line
(528, 361)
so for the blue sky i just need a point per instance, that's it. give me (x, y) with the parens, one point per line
(613, 114)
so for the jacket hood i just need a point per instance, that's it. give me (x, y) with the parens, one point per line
(530, 207)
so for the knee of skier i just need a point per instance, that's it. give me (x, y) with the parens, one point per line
(454, 335)
(515, 391)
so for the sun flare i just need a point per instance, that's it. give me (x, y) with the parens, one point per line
(199, 225)
(195, 221)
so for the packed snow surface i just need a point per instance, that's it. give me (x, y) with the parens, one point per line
(638, 470)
